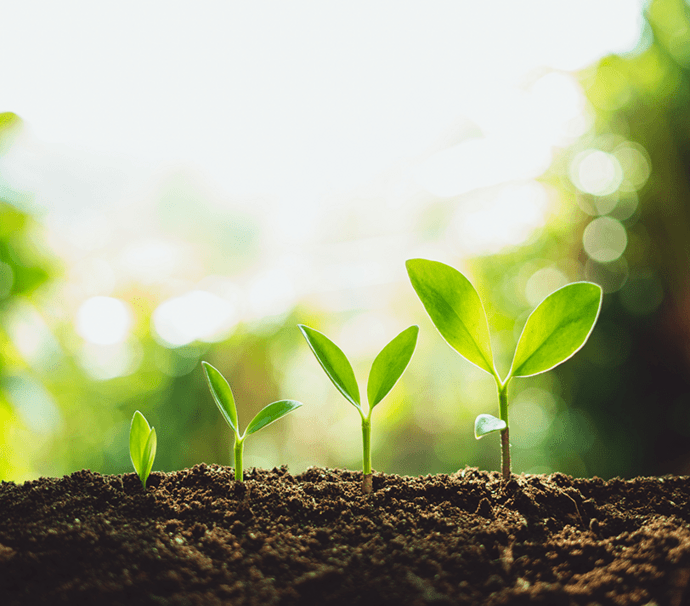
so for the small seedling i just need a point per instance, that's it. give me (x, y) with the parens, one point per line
(385, 372)
(558, 327)
(222, 394)
(142, 446)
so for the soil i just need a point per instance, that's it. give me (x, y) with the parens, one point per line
(198, 537)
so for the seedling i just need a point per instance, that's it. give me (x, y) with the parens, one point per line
(142, 446)
(558, 327)
(385, 372)
(222, 394)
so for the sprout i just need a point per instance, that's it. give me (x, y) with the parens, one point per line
(385, 372)
(142, 446)
(222, 394)
(554, 332)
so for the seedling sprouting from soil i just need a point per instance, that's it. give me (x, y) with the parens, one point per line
(222, 394)
(554, 331)
(385, 372)
(142, 446)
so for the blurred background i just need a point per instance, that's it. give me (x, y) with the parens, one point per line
(182, 183)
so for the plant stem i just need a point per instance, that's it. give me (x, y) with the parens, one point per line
(366, 454)
(505, 435)
(239, 450)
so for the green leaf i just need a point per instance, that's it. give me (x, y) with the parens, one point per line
(335, 364)
(271, 413)
(149, 454)
(222, 394)
(484, 424)
(142, 446)
(390, 364)
(455, 309)
(557, 328)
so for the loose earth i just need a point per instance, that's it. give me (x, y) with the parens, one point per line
(197, 537)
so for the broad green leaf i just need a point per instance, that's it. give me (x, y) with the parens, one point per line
(271, 413)
(390, 364)
(139, 431)
(222, 394)
(334, 362)
(455, 309)
(484, 424)
(557, 328)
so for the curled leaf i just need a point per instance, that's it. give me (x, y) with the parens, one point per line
(484, 424)
(142, 446)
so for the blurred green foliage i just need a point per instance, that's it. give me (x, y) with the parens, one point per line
(620, 407)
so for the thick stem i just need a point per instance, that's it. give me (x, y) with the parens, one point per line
(239, 451)
(366, 454)
(505, 434)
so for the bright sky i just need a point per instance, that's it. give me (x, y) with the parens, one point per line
(273, 97)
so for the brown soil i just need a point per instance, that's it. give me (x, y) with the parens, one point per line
(198, 537)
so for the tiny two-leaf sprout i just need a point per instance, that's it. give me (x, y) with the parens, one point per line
(386, 370)
(142, 446)
(558, 327)
(222, 395)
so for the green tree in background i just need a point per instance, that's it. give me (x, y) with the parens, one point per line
(638, 387)
(22, 273)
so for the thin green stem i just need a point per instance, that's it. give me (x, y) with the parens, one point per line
(366, 444)
(239, 451)
(505, 435)
(367, 482)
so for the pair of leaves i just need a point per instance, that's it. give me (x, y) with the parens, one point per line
(142, 446)
(386, 369)
(554, 331)
(222, 395)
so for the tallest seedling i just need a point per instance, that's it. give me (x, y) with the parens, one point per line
(555, 330)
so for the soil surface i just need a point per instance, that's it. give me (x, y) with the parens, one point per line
(198, 537)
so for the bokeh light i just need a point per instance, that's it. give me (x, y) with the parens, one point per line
(605, 239)
(194, 316)
(103, 320)
(596, 172)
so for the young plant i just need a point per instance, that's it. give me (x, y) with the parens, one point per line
(558, 327)
(222, 394)
(142, 446)
(385, 372)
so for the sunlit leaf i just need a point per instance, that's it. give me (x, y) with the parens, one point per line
(139, 431)
(149, 453)
(222, 394)
(142, 446)
(271, 413)
(455, 309)
(390, 364)
(334, 362)
(484, 424)
(557, 328)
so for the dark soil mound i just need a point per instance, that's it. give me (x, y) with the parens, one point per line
(198, 537)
